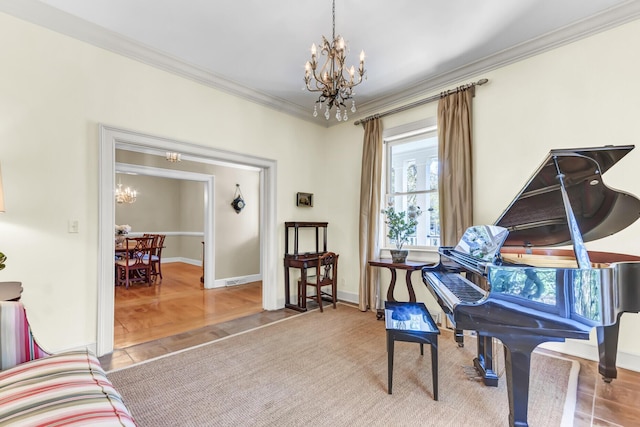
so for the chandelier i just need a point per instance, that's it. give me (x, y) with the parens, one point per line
(126, 195)
(333, 80)
(173, 157)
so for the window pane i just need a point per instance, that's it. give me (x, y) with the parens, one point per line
(428, 229)
(409, 158)
(412, 183)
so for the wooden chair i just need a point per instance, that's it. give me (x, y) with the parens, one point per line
(156, 255)
(326, 275)
(136, 264)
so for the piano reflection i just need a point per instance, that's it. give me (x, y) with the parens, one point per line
(498, 282)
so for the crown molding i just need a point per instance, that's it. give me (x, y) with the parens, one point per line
(608, 19)
(64, 23)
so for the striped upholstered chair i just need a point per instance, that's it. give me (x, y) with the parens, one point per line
(39, 389)
(17, 344)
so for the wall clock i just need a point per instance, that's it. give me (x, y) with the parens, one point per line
(238, 202)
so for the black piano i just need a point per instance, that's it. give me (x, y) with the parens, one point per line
(499, 282)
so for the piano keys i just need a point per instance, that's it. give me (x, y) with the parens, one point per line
(526, 303)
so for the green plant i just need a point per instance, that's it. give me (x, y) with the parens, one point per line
(401, 225)
(3, 258)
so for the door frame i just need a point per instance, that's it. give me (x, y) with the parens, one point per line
(209, 203)
(112, 138)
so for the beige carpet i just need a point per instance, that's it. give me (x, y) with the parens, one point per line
(331, 369)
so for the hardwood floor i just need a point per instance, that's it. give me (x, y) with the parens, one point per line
(602, 404)
(179, 304)
(178, 314)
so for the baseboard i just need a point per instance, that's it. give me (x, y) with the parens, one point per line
(181, 259)
(233, 281)
(348, 297)
(589, 351)
(218, 283)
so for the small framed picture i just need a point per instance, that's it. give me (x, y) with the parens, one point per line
(304, 200)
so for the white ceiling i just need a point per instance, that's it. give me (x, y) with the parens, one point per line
(257, 48)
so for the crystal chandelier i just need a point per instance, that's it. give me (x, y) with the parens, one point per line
(334, 80)
(126, 195)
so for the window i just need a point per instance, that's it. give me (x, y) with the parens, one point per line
(411, 160)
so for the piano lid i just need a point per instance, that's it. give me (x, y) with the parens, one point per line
(537, 216)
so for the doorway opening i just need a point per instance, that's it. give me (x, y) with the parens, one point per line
(112, 139)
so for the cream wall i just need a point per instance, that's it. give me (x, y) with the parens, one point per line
(190, 203)
(54, 92)
(159, 209)
(170, 205)
(155, 208)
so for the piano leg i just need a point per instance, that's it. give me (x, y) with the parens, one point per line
(608, 350)
(484, 362)
(517, 361)
(458, 335)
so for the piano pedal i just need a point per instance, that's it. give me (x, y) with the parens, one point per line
(471, 373)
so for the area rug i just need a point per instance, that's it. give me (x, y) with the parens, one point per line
(330, 369)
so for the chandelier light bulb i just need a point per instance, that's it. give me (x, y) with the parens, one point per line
(126, 195)
(173, 157)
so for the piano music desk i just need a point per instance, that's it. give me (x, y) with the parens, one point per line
(409, 266)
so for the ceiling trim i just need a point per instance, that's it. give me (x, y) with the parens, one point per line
(611, 18)
(64, 23)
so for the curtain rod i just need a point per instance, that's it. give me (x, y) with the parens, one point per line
(420, 102)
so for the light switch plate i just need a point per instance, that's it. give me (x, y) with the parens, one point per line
(72, 226)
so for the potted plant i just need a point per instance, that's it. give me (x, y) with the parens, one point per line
(400, 226)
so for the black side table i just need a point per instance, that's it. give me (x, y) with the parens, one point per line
(409, 267)
(411, 322)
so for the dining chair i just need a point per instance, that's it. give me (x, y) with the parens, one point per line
(136, 264)
(326, 275)
(156, 255)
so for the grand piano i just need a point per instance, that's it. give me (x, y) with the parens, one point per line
(506, 281)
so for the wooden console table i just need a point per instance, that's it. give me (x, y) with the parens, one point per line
(409, 266)
(295, 259)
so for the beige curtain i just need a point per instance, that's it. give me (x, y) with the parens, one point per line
(370, 180)
(454, 173)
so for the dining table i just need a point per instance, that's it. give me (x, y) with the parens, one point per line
(125, 246)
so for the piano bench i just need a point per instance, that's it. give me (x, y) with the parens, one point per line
(411, 322)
